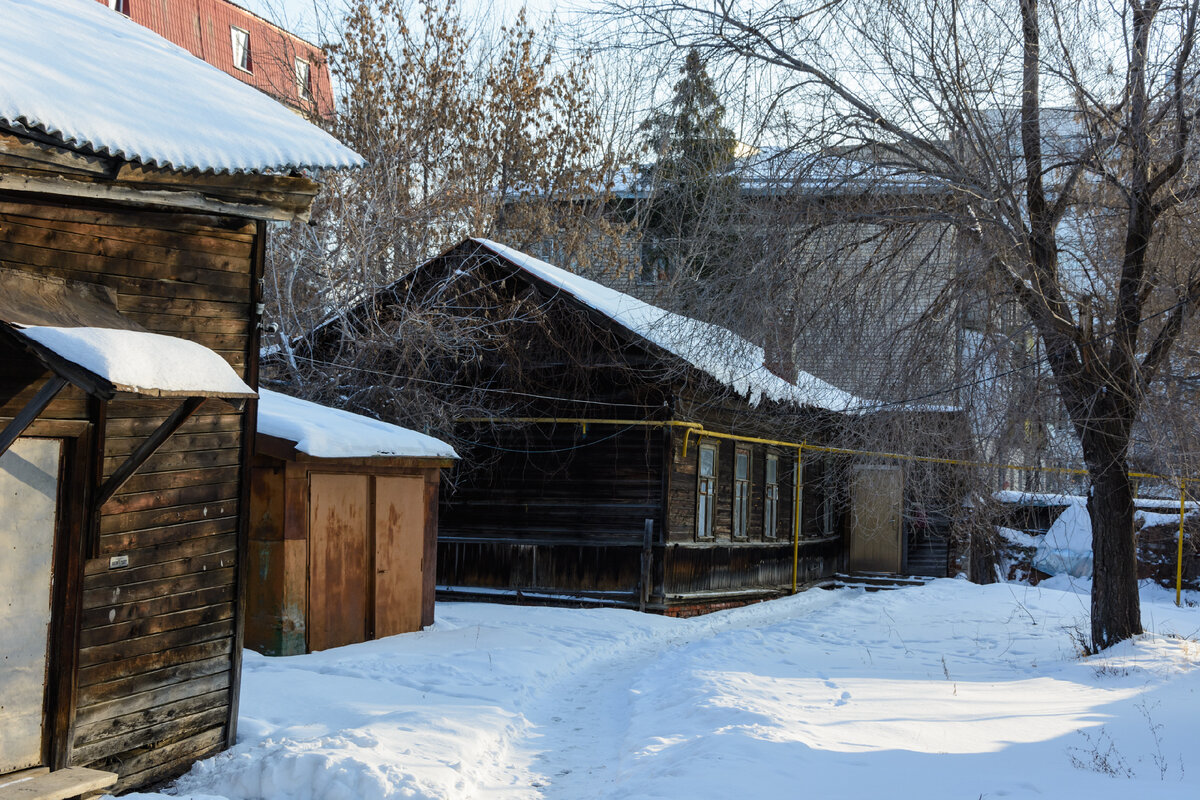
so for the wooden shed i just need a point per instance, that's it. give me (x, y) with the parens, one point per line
(135, 186)
(651, 463)
(343, 527)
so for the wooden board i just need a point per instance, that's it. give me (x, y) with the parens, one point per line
(339, 560)
(876, 503)
(58, 785)
(399, 554)
(29, 474)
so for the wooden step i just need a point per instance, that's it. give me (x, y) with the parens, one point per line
(39, 784)
(876, 581)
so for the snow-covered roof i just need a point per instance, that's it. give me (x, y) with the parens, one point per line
(99, 81)
(719, 352)
(773, 171)
(324, 432)
(142, 362)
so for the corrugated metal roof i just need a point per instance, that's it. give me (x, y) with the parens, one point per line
(95, 80)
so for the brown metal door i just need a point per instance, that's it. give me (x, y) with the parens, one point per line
(876, 505)
(399, 549)
(29, 480)
(339, 560)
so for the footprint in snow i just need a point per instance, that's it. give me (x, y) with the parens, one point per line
(843, 699)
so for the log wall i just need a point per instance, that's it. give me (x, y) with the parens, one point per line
(157, 658)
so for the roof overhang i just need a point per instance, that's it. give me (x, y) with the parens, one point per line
(75, 330)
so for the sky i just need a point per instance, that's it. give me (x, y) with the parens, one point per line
(305, 17)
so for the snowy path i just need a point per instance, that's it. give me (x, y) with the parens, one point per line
(841, 694)
(579, 728)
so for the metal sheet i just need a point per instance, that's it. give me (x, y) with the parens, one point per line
(876, 500)
(28, 503)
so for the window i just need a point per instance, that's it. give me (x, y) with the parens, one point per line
(241, 48)
(706, 491)
(741, 493)
(771, 497)
(119, 6)
(303, 79)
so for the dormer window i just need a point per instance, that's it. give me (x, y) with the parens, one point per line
(303, 79)
(241, 48)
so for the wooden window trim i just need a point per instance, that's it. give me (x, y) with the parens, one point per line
(742, 494)
(770, 497)
(706, 491)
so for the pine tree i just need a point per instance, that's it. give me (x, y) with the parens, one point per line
(689, 219)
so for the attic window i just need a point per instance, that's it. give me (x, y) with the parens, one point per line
(119, 6)
(241, 48)
(303, 79)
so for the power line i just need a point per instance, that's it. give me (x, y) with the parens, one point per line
(365, 370)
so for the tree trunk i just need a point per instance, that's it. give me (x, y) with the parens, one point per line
(1116, 608)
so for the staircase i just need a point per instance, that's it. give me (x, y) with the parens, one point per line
(875, 581)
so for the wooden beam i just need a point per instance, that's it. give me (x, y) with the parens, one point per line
(191, 200)
(31, 411)
(147, 448)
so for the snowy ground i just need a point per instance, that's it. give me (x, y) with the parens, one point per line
(947, 691)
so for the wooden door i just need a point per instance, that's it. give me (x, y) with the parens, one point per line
(29, 481)
(339, 560)
(876, 505)
(399, 553)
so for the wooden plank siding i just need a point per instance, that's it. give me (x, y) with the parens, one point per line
(554, 510)
(156, 668)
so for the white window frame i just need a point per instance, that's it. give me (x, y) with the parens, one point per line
(771, 497)
(706, 491)
(246, 62)
(304, 85)
(741, 493)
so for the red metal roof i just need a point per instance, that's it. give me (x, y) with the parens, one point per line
(204, 28)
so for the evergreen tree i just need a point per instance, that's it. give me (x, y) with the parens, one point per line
(689, 219)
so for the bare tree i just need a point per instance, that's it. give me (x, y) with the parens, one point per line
(467, 132)
(1062, 134)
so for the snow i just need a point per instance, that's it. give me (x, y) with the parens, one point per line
(67, 68)
(143, 362)
(1066, 549)
(1052, 499)
(950, 690)
(324, 432)
(719, 352)
(1018, 538)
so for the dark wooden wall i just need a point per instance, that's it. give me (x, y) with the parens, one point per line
(157, 659)
(758, 563)
(552, 508)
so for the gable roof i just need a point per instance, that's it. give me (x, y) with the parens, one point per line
(724, 355)
(97, 81)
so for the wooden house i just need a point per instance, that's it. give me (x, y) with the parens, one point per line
(135, 187)
(646, 459)
(343, 527)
